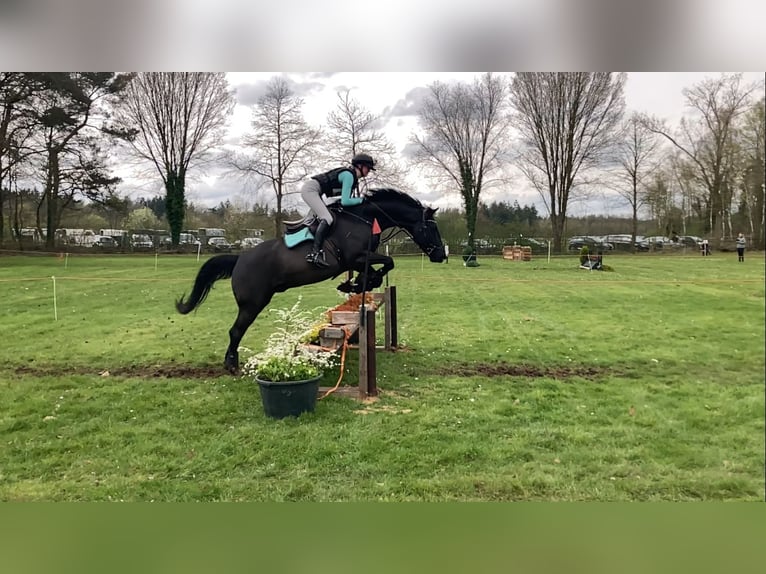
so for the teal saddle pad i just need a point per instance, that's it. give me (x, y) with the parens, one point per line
(298, 237)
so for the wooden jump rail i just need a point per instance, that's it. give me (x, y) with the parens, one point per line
(346, 323)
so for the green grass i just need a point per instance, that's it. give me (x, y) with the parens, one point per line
(518, 381)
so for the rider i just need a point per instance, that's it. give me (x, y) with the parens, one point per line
(343, 181)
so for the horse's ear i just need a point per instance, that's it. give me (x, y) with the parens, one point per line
(430, 211)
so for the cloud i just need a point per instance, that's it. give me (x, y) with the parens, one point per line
(248, 93)
(410, 105)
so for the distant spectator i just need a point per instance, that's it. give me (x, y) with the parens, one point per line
(741, 242)
(705, 247)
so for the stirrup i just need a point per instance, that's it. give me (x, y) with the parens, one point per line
(317, 258)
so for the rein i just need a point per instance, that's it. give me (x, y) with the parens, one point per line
(385, 240)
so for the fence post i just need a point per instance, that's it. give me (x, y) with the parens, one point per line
(391, 337)
(368, 385)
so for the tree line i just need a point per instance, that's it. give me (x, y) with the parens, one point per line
(568, 135)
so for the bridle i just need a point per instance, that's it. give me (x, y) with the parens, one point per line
(423, 227)
(419, 228)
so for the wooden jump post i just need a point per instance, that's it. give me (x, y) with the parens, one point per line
(343, 321)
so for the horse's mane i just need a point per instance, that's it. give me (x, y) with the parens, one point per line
(390, 194)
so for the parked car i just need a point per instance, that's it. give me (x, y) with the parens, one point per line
(623, 241)
(247, 242)
(103, 242)
(658, 241)
(141, 242)
(690, 241)
(593, 243)
(187, 239)
(643, 245)
(184, 240)
(535, 244)
(219, 244)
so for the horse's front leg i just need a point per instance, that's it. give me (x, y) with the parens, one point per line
(374, 276)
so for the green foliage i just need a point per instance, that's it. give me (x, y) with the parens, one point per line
(522, 381)
(584, 254)
(175, 204)
(506, 213)
(142, 218)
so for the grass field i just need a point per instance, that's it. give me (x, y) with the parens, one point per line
(517, 381)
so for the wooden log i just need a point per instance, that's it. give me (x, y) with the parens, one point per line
(344, 317)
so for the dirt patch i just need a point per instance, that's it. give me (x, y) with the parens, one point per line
(171, 371)
(529, 371)
(135, 371)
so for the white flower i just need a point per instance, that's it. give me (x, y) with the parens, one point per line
(288, 358)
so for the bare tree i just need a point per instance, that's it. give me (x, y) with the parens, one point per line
(282, 144)
(464, 137)
(752, 137)
(636, 159)
(693, 203)
(660, 199)
(353, 129)
(568, 125)
(174, 120)
(707, 139)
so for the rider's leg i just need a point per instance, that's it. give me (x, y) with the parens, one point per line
(317, 253)
(313, 198)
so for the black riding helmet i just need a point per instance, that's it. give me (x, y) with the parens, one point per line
(363, 159)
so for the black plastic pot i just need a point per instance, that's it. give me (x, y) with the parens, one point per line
(288, 398)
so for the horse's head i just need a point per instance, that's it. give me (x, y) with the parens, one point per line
(426, 235)
(401, 210)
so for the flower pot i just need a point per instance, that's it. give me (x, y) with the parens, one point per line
(288, 398)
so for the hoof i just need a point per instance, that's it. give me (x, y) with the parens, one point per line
(231, 366)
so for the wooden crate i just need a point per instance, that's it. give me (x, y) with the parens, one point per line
(517, 253)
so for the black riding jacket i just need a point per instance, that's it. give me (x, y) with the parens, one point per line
(331, 185)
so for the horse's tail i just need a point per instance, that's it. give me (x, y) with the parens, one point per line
(215, 268)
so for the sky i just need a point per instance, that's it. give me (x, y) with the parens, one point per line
(562, 35)
(393, 96)
(550, 35)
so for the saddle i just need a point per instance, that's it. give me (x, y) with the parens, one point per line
(310, 221)
(301, 230)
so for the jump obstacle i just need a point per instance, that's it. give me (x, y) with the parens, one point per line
(517, 253)
(359, 324)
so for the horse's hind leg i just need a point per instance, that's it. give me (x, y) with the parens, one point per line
(245, 318)
(248, 311)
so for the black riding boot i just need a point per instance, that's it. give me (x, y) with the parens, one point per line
(317, 254)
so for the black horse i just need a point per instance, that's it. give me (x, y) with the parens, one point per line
(271, 267)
